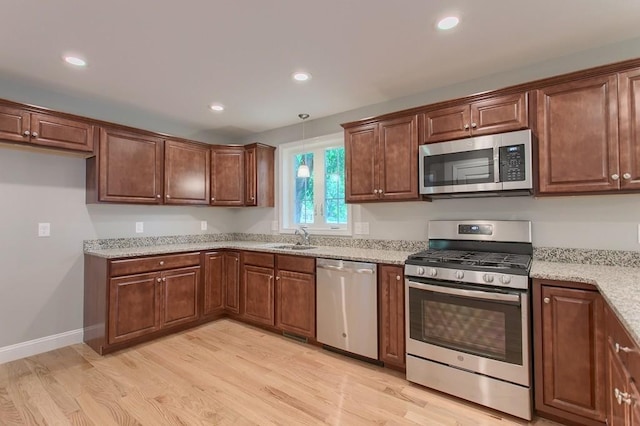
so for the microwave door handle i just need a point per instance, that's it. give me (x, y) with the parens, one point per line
(496, 163)
(476, 294)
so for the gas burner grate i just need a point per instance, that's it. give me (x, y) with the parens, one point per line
(490, 259)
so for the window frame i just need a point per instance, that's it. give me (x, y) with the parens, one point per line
(287, 187)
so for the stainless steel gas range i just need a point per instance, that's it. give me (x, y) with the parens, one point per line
(468, 315)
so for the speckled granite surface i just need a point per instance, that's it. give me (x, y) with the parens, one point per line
(619, 285)
(588, 256)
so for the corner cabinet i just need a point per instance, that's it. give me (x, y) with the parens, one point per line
(629, 121)
(569, 356)
(391, 311)
(382, 160)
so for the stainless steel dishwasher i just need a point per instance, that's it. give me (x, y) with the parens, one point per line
(347, 306)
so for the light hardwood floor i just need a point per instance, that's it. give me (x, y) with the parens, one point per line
(221, 373)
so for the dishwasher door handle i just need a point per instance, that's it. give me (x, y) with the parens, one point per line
(343, 269)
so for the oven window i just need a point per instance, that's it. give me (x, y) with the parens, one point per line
(459, 168)
(491, 329)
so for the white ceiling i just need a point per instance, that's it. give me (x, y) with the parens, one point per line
(174, 58)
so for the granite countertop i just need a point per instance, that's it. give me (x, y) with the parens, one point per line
(620, 286)
(346, 253)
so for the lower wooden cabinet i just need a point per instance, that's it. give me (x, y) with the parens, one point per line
(296, 295)
(221, 287)
(180, 296)
(134, 306)
(391, 315)
(569, 356)
(258, 277)
(232, 282)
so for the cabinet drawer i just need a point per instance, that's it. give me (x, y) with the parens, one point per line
(297, 264)
(259, 259)
(155, 263)
(628, 351)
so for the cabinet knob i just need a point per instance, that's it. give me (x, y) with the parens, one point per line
(213, 199)
(615, 176)
(158, 279)
(34, 134)
(474, 125)
(277, 278)
(546, 300)
(158, 196)
(164, 280)
(26, 133)
(168, 196)
(626, 176)
(161, 262)
(253, 198)
(397, 277)
(380, 191)
(466, 127)
(375, 191)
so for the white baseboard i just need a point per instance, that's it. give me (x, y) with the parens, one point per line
(38, 346)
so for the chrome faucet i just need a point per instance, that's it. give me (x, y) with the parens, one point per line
(304, 235)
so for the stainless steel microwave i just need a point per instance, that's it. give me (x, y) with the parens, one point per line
(493, 165)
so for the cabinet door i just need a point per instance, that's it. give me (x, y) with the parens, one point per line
(227, 176)
(296, 303)
(391, 288)
(14, 124)
(180, 296)
(361, 163)
(57, 132)
(214, 284)
(398, 160)
(629, 94)
(134, 306)
(447, 123)
(258, 289)
(232, 282)
(578, 136)
(616, 380)
(187, 172)
(250, 181)
(573, 352)
(499, 114)
(130, 167)
(259, 175)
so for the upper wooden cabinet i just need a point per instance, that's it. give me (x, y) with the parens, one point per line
(259, 186)
(227, 176)
(187, 168)
(382, 160)
(629, 119)
(128, 168)
(47, 130)
(494, 115)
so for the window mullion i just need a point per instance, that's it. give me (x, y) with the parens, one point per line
(318, 195)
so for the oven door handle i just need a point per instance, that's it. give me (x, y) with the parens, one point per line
(476, 294)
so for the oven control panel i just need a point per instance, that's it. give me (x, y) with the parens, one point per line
(475, 229)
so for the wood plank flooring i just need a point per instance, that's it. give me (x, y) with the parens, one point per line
(221, 373)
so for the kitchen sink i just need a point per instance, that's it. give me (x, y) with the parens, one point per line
(293, 247)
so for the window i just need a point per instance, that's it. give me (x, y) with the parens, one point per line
(316, 202)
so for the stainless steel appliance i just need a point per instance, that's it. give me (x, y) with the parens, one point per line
(347, 306)
(493, 165)
(467, 313)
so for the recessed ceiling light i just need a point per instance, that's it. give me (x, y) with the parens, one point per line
(448, 22)
(301, 76)
(216, 107)
(76, 61)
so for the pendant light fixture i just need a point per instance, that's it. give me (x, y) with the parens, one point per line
(303, 169)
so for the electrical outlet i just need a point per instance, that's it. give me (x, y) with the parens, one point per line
(639, 234)
(44, 229)
(365, 228)
(203, 225)
(274, 225)
(139, 227)
(357, 228)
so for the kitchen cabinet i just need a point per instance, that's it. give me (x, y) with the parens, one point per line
(46, 130)
(391, 310)
(629, 122)
(128, 168)
(569, 355)
(187, 171)
(496, 114)
(221, 292)
(578, 136)
(623, 368)
(381, 160)
(227, 176)
(232, 282)
(130, 300)
(258, 288)
(259, 183)
(295, 295)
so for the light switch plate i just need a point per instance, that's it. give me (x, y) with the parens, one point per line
(203, 225)
(139, 227)
(44, 229)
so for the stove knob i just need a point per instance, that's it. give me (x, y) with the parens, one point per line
(505, 279)
(433, 272)
(420, 270)
(459, 275)
(487, 278)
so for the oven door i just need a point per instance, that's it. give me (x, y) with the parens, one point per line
(479, 329)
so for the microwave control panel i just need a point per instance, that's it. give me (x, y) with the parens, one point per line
(512, 163)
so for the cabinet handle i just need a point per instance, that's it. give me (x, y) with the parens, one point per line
(546, 300)
(159, 279)
(34, 134)
(615, 176)
(466, 127)
(277, 278)
(622, 397)
(397, 277)
(474, 125)
(161, 262)
(626, 176)
(26, 133)
(622, 348)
